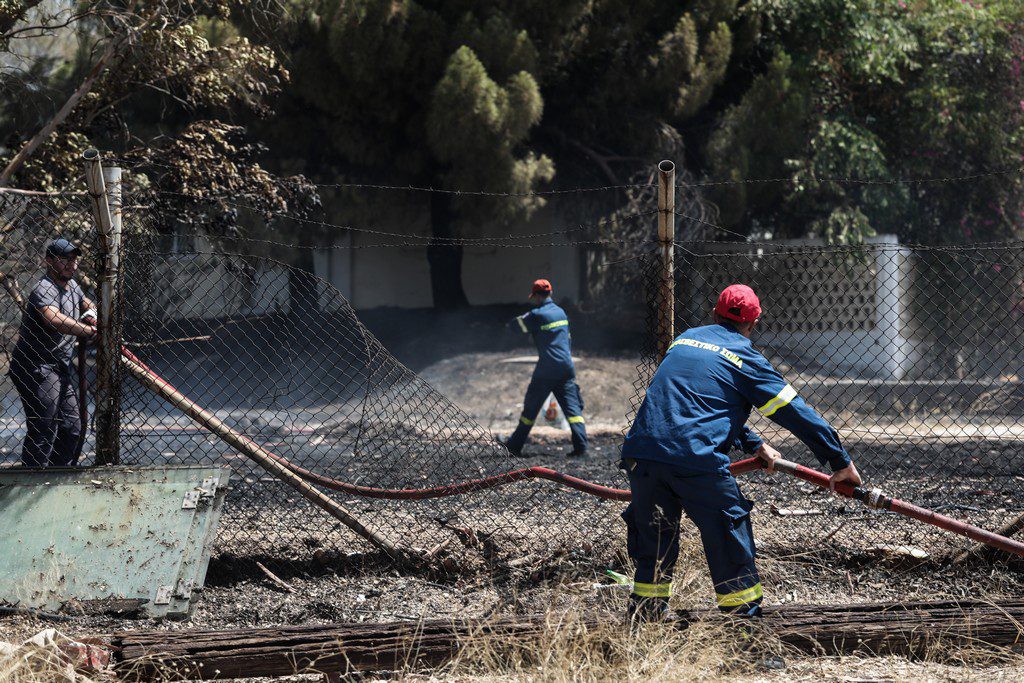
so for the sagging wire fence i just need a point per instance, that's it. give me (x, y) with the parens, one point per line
(911, 352)
(296, 372)
(279, 357)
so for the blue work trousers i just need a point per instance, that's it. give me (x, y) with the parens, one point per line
(661, 493)
(567, 393)
(52, 422)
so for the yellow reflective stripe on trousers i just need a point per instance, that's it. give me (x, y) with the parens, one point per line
(525, 420)
(522, 325)
(577, 418)
(740, 597)
(652, 590)
(781, 400)
(557, 323)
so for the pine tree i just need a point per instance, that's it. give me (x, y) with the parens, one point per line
(485, 96)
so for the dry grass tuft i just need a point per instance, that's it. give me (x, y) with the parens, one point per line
(36, 665)
(570, 648)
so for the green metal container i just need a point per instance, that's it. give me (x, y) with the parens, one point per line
(108, 535)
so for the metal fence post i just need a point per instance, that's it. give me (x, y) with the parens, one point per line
(666, 238)
(105, 192)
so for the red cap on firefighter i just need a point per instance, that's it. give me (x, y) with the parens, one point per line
(739, 303)
(541, 288)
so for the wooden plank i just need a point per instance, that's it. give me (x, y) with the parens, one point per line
(907, 629)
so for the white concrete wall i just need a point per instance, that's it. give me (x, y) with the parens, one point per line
(370, 275)
(502, 275)
(880, 350)
(392, 276)
(201, 286)
(334, 266)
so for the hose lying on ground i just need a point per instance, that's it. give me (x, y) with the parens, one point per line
(874, 498)
(870, 497)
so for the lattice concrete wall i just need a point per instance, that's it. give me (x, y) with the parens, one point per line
(838, 312)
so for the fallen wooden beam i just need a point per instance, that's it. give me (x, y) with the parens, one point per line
(906, 629)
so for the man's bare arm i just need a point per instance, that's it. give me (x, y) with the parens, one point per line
(63, 324)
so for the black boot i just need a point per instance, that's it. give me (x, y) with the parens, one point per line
(754, 655)
(643, 610)
(514, 452)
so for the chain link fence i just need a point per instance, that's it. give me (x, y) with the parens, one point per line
(281, 357)
(912, 353)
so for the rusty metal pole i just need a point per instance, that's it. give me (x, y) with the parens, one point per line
(666, 239)
(250, 448)
(105, 192)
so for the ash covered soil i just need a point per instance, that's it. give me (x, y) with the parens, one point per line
(813, 548)
(489, 386)
(821, 559)
(814, 558)
(356, 585)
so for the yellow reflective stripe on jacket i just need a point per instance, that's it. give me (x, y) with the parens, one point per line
(557, 323)
(525, 420)
(652, 590)
(781, 400)
(576, 418)
(738, 598)
(522, 325)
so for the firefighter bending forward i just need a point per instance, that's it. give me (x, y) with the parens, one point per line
(676, 455)
(554, 372)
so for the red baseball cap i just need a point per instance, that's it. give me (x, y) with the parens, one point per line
(739, 303)
(541, 287)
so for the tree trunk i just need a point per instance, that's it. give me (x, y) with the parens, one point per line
(303, 287)
(445, 259)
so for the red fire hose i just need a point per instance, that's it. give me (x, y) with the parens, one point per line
(870, 497)
(874, 498)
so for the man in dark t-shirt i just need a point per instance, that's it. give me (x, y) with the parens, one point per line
(57, 313)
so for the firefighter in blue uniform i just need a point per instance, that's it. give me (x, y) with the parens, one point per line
(676, 455)
(554, 372)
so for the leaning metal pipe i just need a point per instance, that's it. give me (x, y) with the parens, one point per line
(271, 463)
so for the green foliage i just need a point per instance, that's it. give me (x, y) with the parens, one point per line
(840, 212)
(158, 104)
(755, 136)
(181, 61)
(444, 96)
(474, 125)
(626, 69)
(887, 90)
(484, 95)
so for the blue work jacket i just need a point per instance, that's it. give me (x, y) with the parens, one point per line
(550, 329)
(697, 406)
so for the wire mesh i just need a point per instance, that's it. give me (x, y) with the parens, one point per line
(281, 357)
(912, 352)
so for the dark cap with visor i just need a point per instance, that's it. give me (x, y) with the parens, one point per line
(62, 247)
